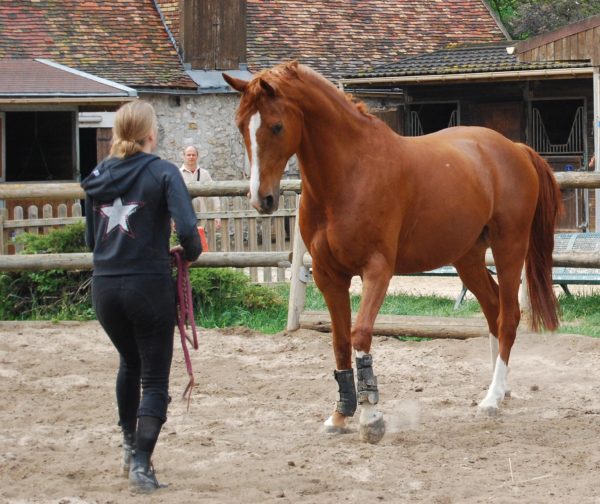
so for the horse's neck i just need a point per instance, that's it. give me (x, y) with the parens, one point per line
(332, 130)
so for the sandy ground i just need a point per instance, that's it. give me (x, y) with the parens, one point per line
(253, 433)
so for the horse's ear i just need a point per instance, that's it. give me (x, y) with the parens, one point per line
(237, 84)
(270, 90)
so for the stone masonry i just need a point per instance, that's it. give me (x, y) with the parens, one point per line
(205, 121)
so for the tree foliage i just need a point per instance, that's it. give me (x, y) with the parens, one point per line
(524, 18)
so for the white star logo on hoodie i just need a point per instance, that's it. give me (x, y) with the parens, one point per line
(118, 215)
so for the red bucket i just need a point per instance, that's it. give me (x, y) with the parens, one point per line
(203, 239)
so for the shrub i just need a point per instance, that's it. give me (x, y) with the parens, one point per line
(226, 287)
(52, 293)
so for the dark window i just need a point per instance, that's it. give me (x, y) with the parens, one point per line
(558, 126)
(39, 146)
(88, 151)
(427, 118)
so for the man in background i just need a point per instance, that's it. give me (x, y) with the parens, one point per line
(191, 172)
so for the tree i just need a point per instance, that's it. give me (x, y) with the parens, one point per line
(524, 18)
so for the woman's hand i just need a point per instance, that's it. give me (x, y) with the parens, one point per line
(179, 248)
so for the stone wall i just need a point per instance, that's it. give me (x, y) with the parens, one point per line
(205, 121)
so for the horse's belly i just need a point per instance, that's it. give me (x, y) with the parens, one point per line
(438, 246)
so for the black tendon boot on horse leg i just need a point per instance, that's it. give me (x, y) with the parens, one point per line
(141, 473)
(372, 425)
(346, 406)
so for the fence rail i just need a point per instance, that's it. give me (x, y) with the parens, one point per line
(243, 233)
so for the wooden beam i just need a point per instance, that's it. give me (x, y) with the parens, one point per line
(83, 261)
(73, 189)
(405, 326)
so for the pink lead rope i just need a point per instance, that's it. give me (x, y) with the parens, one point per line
(185, 317)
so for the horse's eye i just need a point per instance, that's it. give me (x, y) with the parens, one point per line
(277, 128)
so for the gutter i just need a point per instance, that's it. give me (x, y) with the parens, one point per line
(54, 100)
(571, 73)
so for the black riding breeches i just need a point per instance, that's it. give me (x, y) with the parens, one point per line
(138, 314)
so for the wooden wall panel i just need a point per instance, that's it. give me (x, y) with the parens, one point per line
(214, 34)
(576, 46)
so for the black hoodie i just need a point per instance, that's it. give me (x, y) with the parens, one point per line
(128, 207)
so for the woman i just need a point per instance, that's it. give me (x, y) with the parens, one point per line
(131, 198)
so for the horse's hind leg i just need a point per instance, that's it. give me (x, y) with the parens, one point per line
(476, 277)
(335, 291)
(509, 260)
(376, 277)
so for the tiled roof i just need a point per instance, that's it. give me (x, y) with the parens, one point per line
(461, 60)
(121, 40)
(339, 37)
(31, 78)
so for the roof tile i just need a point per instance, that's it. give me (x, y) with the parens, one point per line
(342, 36)
(466, 59)
(121, 40)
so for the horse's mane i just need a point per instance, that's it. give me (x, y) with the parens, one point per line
(280, 77)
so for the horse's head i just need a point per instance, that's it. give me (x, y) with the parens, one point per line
(271, 125)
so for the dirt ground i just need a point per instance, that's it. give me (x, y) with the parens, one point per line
(253, 433)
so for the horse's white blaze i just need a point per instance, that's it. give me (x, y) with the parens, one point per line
(255, 121)
(498, 387)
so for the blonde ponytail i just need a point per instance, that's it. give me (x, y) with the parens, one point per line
(134, 121)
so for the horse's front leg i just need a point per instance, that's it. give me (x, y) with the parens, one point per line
(376, 278)
(335, 289)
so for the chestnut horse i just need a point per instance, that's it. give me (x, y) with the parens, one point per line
(376, 204)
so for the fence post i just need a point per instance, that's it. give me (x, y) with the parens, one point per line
(46, 214)
(266, 245)
(76, 210)
(298, 280)
(253, 243)
(3, 217)
(18, 215)
(32, 213)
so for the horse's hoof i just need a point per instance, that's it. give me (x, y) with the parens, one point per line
(336, 429)
(507, 394)
(372, 426)
(490, 411)
(334, 426)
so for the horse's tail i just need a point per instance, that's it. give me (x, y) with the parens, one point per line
(538, 263)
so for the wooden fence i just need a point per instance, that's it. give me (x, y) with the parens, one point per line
(242, 235)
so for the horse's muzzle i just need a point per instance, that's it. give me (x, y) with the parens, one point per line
(268, 204)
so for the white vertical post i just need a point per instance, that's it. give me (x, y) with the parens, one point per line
(524, 299)
(596, 84)
(299, 278)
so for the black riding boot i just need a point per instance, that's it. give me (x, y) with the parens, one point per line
(128, 448)
(141, 473)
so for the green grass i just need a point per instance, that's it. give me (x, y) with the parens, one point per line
(433, 306)
(579, 314)
(266, 319)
